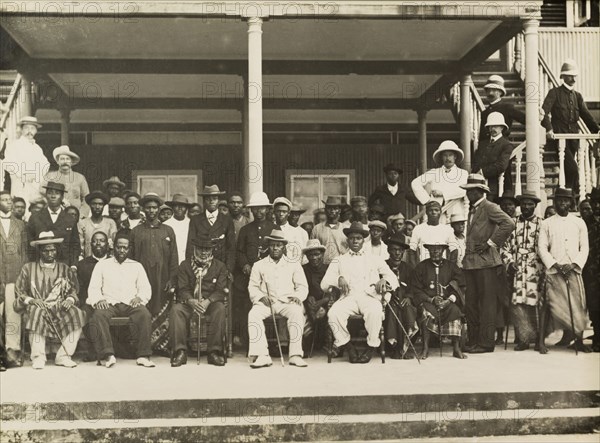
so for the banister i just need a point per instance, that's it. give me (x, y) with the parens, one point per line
(10, 101)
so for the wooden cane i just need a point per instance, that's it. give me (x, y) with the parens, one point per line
(50, 320)
(439, 312)
(566, 277)
(275, 325)
(405, 333)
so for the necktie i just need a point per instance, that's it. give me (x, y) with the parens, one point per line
(211, 219)
(472, 210)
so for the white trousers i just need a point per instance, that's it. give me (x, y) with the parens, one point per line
(369, 307)
(38, 345)
(256, 327)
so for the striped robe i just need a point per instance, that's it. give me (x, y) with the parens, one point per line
(53, 285)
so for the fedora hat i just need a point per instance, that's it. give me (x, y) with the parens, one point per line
(116, 201)
(276, 235)
(298, 209)
(179, 199)
(312, 245)
(334, 201)
(211, 190)
(528, 195)
(569, 67)
(496, 119)
(258, 199)
(114, 180)
(356, 227)
(150, 197)
(65, 150)
(509, 194)
(594, 195)
(392, 167)
(282, 201)
(563, 192)
(29, 120)
(495, 82)
(46, 238)
(398, 239)
(96, 194)
(448, 145)
(476, 181)
(56, 186)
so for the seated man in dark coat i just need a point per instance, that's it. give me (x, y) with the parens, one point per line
(494, 159)
(401, 302)
(318, 302)
(438, 286)
(201, 285)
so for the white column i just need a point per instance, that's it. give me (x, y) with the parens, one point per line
(65, 118)
(422, 116)
(532, 105)
(254, 165)
(245, 141)
(465, 120)
(27, 104)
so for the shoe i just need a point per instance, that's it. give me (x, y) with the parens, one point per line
(66, 362)
(179, 359)
(262, 361)
(216, 359)
(396, 353)
(366, 356)
(579, 346)
(479, 350)
(353, 356)
(145, 362)
(596, 347)
(567, 338)
(296, 360)
(335, 351)
(2, 366)
(38, 363)
(13, 358)
(521, 346)
(110, 361)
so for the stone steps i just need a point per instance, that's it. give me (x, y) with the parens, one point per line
(349, 418)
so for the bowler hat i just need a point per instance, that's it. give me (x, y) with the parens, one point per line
(65, 150)
(211, 190)
(528, 195)
(356, 227)
(96, 194)
(448, 145)
(563, 192)
(476, 181)
(150, 197)
(179, 199)
(392, 167)
(276, 235)
(334, 201)
(55, 186)
(398, 239)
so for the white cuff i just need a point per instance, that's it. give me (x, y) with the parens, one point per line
(452, 298)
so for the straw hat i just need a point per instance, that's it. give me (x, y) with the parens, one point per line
(276, 235)
(29, 121)
(476, 181)
(64, 150)
(46, 238)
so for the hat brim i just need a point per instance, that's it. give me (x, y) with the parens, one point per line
(299, 211)
(459, 154)
(207, 194)
(37, 125)
(574, 73)
(259, 205)
(74, 157)
(348, 231)
(337, 205)
(431, 245)
(279, 239)
(314, 248)
(519, 198)
(90, 197)
(173, 203)
(494, 86)
(106, 183)
(203, 244)
(495, 124)
(513, 199)
(474, 186)
(398, 243)
(64, 191)
(145, 200)
(48, 241)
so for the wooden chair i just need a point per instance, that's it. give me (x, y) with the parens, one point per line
(270, 332)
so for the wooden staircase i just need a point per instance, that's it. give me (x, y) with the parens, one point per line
(554, 13)
(515, 94)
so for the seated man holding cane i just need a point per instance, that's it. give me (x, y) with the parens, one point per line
(201, 285)
(362, 279)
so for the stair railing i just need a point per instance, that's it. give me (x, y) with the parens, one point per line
(517, 156)
(11, 111)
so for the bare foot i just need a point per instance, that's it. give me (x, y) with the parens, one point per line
(424, 354)
(458, 354)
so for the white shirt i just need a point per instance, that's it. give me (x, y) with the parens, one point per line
(297, 239)
(570, 88)
(494, 139)
(279, 280)
(425, 233)
(563, 240)
(379, 251)
(495, 101)
(393, 189)
(361, 270)
(5, 220)
(444, 180)
(54, 215)
(134, 222)
(181, 229)
(118, 282)
(212, 216)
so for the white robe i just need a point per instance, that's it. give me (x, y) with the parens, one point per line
(27, 165)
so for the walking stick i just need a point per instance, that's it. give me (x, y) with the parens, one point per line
(50, 320)
(275, 325)
(439, 312)
(405, 333)
(198, 340)
(566, 277)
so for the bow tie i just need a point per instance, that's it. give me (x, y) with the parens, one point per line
(359, 253)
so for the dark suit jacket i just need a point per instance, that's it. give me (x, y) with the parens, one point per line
(13, 250)
(489, 222)
(510, 114)
(392, 203)
(493, 160)
(65, 227)
(222, 232)
(251, 247)
(562, 109)
(85, 268)
(214, 282)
